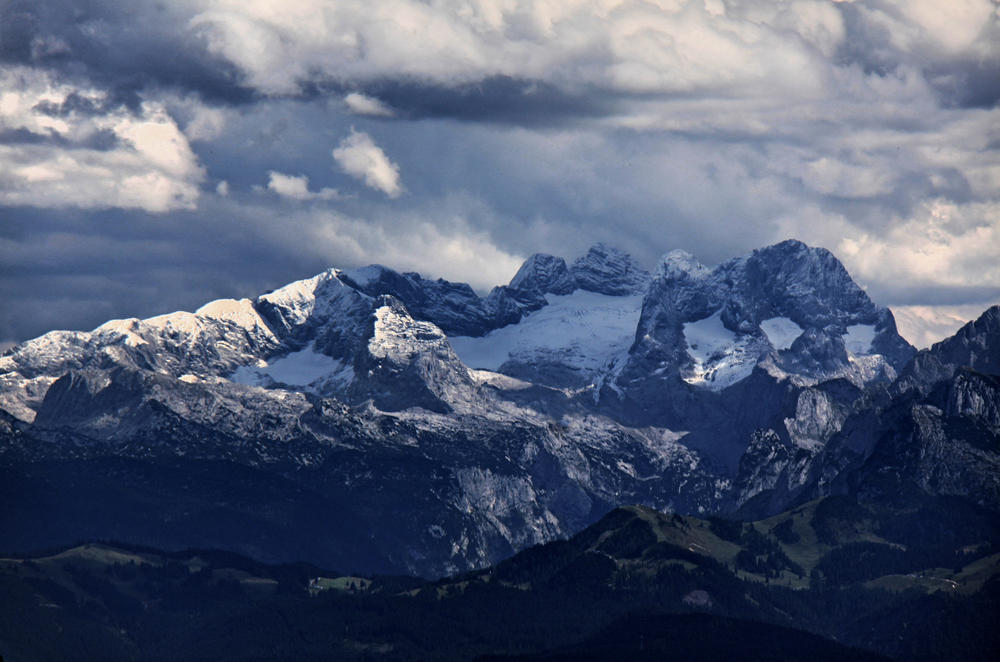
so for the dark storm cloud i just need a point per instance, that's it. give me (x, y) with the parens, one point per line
(967, 84)
(77, 269)
(125, 48)
(502, 99)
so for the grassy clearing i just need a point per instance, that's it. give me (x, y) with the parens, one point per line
(344, 584)
(691, 533)
(932, 580)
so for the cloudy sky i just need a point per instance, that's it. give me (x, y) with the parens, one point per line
(158, 154)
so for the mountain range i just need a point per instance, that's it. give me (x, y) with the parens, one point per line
(382, 422)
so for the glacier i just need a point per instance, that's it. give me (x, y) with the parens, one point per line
(583, 329)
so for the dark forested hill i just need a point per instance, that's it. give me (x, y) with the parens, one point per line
(830, 580)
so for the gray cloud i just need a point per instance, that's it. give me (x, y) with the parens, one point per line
(76, 270)
(968, 83)
(102, 140)
(360, 104)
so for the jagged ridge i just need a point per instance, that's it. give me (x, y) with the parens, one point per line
(764, 381)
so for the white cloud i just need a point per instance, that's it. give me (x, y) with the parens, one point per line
(954, 24)
(359, 104)
(925, 325)
(90, 158)
(360, 157)
(207, 124)
(846, 180)
(943, 244)
(723, 48)
(439, 241)
(632, 46)
(463, 256)
(297, 188)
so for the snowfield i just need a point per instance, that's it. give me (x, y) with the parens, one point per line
(300, 368)
(584, 328)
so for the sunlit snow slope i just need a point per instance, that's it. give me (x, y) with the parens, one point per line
(584, 328)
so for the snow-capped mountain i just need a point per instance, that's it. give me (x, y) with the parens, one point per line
(383, 420)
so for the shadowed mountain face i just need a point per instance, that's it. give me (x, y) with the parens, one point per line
(389, 422)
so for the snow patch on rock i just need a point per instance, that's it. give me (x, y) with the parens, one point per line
(300, 368)
(365, 275)
(502, 382)
(859, 337)
(398, 335)
(181, 322)
(707, 338)
(721, 357)
(127, 328)
(781, 331)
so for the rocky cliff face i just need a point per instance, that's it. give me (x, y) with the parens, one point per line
(933, 430)
(543, 274)
(423, 428)
(974, 345)
(607, 270)
(407, 364)
(787, 297)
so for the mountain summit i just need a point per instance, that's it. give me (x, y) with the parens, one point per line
(379, 420)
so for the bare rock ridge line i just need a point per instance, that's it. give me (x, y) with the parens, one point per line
(375, 419)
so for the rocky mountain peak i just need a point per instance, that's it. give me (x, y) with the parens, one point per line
(322, 309)
(976, 345)
(375, 280)
(408, 363)
(782, 317)
(454, 307)
(611, 271)
(816, 352)
(976, 396)
(544, 274)
(679, 264)
(469, 427)
(808, 285)
(299, 307)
